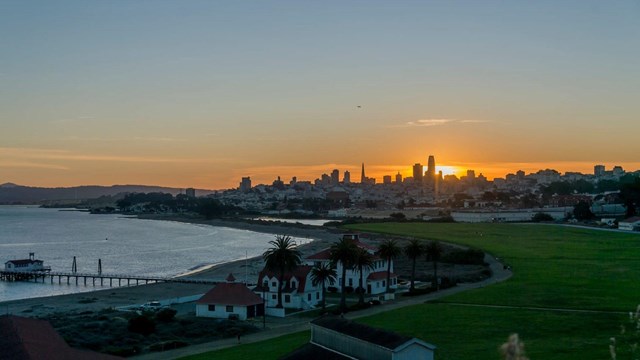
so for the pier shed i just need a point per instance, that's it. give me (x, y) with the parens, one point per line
(30, 264)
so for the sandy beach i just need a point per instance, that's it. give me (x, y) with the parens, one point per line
(136, 295)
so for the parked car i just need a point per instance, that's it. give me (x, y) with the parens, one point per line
(152, 306)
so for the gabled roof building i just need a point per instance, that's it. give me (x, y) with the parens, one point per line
(31, 339)
(230, 300)
(298, 291)
(337, 338)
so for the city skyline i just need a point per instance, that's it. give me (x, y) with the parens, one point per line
(205, 93)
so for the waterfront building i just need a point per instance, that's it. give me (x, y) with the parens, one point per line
(230, 300)
(30, 264)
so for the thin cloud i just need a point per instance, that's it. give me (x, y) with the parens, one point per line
(32, 165)
(429, 122)
(440, 122)
(48, 154)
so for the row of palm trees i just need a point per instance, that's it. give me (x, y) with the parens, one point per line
(283, 257)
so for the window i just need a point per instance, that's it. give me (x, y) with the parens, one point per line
(293, 284)
(384, 283)
(317, 295)
(274, 284)
(309, 296)
(287, 298)
(212, 308)
(350, 282)
(265, 284)
(274, 296)
(229, 308)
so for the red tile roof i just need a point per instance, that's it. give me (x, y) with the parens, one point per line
(380, 275)
(230, 294)
(322, 255)
(25, 339)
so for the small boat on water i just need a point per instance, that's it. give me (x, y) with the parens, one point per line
(30, 264)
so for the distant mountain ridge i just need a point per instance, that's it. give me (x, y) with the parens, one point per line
(17, 194)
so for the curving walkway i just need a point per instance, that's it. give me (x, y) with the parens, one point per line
(279, 327)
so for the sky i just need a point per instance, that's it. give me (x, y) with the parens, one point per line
(201, 93)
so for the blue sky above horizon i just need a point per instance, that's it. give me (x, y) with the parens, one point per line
(200, 93)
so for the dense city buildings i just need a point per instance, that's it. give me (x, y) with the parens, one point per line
(431, 193)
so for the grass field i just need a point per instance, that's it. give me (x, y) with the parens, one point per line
(555, 267)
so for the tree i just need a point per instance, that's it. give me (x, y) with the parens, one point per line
(344, 251)
(434, 252)
(582, 211)
(413, 250)
(540, 216)
(363, 260)
(281, 257)
(389, 250)
(321, 274)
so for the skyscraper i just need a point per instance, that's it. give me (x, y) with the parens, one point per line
(398, 178)
(598, 170)
(245, 184)
(347, 177)
(335, 177)
(431, 167)
(363, 178)
(417, 172)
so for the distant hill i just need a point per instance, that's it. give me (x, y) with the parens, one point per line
(16, 194)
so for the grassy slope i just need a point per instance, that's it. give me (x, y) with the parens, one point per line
(554, 266)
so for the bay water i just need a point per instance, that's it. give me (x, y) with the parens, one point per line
(125, 245)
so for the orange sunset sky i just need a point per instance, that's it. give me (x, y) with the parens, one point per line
(199, 93)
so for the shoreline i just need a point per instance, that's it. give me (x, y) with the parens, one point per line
(243, 269)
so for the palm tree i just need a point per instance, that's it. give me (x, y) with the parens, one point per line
(281, 257)
(362, 261)
(389, 250)
(344, 251)
(413, 250)
(434, 251)
(320, 274)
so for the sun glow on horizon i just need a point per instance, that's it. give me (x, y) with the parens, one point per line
(447, 170)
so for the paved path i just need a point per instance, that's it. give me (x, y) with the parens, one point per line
(279, 327)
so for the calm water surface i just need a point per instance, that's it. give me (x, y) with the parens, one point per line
(125, 245)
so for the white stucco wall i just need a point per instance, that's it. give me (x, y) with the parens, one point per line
(221, 312)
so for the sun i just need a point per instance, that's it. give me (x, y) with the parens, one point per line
(447, 170)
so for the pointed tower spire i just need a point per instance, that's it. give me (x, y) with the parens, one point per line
(363, 177)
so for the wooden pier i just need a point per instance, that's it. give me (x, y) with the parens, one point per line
(81, 278)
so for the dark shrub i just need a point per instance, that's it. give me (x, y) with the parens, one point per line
(539, 217)
(348, 289)
(142, 325)
(166, 314)
(332, 289)
(467, 257)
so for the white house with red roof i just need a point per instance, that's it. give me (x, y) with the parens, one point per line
(298, 291)
(375, 279)
(230, 300)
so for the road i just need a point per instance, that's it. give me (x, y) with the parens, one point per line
(279, 327)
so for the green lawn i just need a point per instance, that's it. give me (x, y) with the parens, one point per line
(554, 267)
